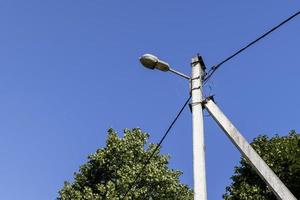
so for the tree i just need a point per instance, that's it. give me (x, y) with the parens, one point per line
(109, 172)
(282, 154)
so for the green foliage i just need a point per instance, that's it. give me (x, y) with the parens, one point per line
(109, 172)
(282, 154)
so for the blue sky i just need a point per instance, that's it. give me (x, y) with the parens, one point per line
(69, 70)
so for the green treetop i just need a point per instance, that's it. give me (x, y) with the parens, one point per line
(110, 171)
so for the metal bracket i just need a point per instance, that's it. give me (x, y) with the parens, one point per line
(196, 88)
(198, 77)
(211, 97)
(203, 102)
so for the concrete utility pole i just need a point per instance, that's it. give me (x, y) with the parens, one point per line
(198, 130)
(263, 170)
(198, 73)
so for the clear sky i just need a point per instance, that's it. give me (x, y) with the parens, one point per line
(69, 70)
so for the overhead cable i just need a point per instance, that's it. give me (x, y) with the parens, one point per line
(215, 67)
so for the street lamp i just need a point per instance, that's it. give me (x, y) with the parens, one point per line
(152, 62)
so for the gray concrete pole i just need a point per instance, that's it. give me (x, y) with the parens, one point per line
(263, 170)
(198, 130)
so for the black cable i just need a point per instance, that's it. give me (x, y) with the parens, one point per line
(156, 148)
(215, 67)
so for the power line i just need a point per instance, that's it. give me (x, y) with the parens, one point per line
(215, 67)
(156, 148)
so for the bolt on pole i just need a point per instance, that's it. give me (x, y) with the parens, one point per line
(198, 130)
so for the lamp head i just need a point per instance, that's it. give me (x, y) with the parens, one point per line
(151, 62)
